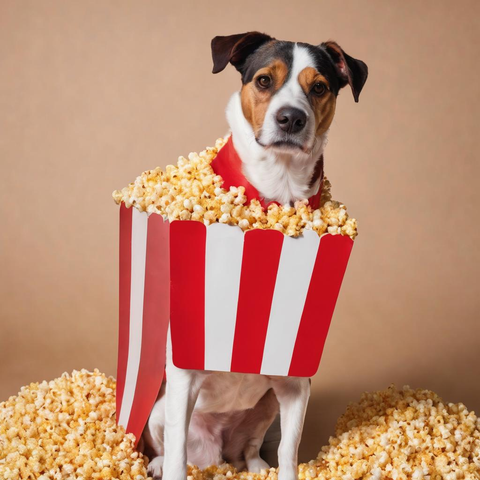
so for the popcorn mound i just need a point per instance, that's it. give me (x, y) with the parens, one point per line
(66, 429)
(192, 191)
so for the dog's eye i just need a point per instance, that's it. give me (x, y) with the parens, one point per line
(264, 81)
(319, 88)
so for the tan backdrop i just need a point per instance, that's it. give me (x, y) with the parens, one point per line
(92, 93)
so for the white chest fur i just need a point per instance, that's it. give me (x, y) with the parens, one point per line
(283, 177)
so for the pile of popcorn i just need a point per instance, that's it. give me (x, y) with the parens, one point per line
(402, 434)
(192, 191)
(66, 429)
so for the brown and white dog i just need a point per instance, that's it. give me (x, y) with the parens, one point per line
(279, 122)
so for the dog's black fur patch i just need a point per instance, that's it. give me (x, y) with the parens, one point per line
(265, 55)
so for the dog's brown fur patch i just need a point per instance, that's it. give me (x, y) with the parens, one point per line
(254, 101)
(323, 105)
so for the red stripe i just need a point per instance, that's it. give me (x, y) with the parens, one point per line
(327, 276)
(125, 257)
(156, 315)
(261, 254)
(187, 261)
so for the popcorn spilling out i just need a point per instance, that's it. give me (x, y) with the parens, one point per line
(66, 429)
(192, 191)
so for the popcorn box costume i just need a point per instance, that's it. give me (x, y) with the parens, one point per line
(255, 301)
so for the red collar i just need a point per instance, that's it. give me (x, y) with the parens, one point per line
(228, 165)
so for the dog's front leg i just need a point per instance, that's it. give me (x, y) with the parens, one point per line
(292, 395)
(181, 394)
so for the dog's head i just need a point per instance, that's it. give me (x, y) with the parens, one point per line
(289, 89)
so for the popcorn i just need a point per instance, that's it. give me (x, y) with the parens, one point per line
(66, 429)
(191, 191)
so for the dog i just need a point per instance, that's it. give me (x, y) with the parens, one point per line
(279, 122)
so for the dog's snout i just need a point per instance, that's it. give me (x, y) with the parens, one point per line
(291, 120)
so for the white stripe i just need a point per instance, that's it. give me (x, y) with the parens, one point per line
(223, 264)
(139, 250)
(293, 279)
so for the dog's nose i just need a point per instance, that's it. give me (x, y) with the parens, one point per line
(291, 120)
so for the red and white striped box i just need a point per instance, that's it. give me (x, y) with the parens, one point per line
(250, 302)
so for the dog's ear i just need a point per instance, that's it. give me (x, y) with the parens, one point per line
(349, 70)
(235, 49)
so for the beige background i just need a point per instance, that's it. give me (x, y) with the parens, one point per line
(92, 93)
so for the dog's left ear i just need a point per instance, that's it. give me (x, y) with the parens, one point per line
(235, 49)
(349, 70)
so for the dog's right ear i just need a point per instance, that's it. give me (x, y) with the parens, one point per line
(235, 49)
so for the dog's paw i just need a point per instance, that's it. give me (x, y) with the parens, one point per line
(254, 465)
(155, 468)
